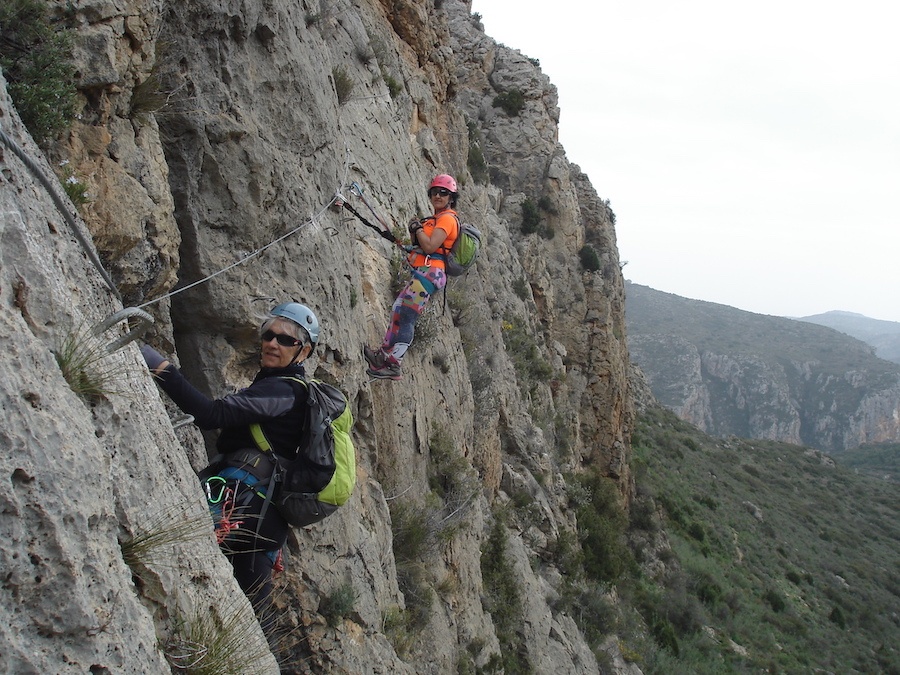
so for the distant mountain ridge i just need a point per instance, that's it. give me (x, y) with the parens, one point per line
(731, 372)
(883, 335)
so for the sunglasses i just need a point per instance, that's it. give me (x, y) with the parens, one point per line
(283, 340)
(443, 192)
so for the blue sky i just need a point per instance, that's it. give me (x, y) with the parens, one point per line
(751, 153)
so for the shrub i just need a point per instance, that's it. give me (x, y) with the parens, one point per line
(521, 288)
(338, 604)
(365, 54)
(415, 529)
(400, 629)
(412, 534)
(591, 609)
(476, 162)
(567, 554)
(343, 84)
(394, 87)
(72, 186)
(601, 528)
(664, 634)
(530, 366)
(837, 617)
(707, 589)
(590, 261)
(512, 102)
(35, 56)
(502, 599)
(546, 204)
(452, 480)
(156, 541)
(148, 97)
(531, 217)
(610, 212)
(774, 599)
(696, 531)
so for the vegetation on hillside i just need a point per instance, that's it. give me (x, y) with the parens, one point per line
(777, 561)
(879, 460)
(883, 335)
(726, 330)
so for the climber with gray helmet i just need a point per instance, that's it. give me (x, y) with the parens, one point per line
(432, 239)
(235, 482)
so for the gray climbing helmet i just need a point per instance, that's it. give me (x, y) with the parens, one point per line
(302, 316)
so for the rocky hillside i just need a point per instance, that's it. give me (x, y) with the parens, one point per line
(883, 335)
(210, 141)
(731, 372)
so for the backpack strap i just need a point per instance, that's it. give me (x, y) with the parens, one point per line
(256, 431)
(445, 251)
(259, 437)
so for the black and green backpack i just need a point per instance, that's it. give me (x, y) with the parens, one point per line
(326, 443)
(464, 252)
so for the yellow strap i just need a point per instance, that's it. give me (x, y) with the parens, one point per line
(256, 429)
(260, 438)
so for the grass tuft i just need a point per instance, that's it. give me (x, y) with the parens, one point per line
(90, 370)
(154, 542)
(210, 641)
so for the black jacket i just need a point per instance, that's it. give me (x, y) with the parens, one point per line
(273, 402)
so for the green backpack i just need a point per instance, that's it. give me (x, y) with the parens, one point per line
(464, 252)
(326, 443)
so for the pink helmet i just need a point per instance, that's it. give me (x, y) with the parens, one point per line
(444, 180)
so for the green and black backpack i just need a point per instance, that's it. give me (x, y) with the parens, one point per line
(303, 496)
(464, 252)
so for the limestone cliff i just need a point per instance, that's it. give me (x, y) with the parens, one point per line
(731, 372)
(220, 190)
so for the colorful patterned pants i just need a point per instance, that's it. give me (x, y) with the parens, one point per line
(408, 306)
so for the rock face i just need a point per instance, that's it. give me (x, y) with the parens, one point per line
(730, 372)
(221, 192)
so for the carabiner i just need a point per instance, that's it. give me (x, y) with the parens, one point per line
(220, 488)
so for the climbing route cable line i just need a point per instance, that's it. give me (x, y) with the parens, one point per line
(137, 313)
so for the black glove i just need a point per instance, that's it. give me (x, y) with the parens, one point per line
(153, 358)
(414, 226)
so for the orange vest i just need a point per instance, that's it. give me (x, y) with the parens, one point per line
(447, 221)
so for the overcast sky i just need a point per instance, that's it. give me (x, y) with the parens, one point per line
(750, 151)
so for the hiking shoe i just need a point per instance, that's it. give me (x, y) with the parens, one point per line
(374, 358)
(388, 370)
